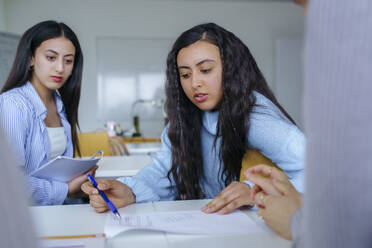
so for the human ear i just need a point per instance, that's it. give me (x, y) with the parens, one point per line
(32, 62)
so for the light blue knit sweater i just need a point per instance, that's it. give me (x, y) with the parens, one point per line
(270, 132)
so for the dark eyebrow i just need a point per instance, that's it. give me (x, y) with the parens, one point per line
(183, 67)
(52, 51)
(205, 60)
(199, 63)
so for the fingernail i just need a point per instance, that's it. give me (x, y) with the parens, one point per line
(221, 212)
(94, 191)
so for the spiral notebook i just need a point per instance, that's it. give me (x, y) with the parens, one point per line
(64, 169)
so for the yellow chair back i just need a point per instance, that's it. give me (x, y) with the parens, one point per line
(91, 142)
(251, 158)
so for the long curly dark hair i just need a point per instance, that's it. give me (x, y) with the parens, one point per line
(240, 77)
(20, 74)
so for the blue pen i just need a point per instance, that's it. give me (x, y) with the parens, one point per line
(108, 202)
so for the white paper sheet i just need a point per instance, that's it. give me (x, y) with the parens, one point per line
(187, 222)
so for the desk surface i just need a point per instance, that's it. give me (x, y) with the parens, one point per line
(81, 219)
(142, 145)
(119, 166)
(143, 148)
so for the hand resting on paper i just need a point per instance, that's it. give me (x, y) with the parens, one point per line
(74, 185)
(118, 193)
(275, 196)
(235, 195)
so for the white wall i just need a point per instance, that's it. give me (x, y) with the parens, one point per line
(2, 16)
(258, 24)
(288, 77)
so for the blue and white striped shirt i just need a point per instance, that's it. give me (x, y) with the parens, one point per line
(22, 115)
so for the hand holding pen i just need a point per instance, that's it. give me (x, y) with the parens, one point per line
(108, 202)
(116, 192)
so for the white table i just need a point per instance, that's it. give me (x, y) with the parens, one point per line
(119, 166)
(81, 219)
(143, 148)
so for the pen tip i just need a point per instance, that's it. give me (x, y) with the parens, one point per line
(118, 215)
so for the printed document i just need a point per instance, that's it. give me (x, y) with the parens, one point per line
(187, 222)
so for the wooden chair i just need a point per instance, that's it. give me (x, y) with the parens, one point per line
(117, 146)
(251, 158)
(91, 142)
(139, 140)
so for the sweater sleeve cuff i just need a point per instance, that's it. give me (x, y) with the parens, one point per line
(142, 192)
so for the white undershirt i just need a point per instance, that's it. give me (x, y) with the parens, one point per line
(57, 140)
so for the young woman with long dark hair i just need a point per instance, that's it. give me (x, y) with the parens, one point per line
(218, 105)
(39, 106)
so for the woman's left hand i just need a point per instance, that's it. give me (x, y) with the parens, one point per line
(74, 185)
(275, 196)
(235, 195)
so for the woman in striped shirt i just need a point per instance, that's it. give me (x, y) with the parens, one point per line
(39, 106)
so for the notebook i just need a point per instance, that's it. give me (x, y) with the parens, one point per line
(64, 169)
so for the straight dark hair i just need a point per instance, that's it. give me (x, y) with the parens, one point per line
(20, 72)
(240, 77)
